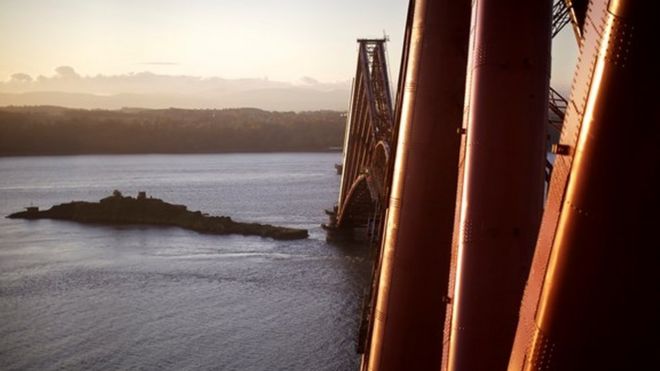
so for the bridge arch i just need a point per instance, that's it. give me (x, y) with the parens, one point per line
(359, 204)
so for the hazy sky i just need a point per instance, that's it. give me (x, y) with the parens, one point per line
(278, 39)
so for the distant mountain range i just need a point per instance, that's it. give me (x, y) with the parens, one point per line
(149, 90)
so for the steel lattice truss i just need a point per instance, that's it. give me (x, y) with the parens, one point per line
(369, 136)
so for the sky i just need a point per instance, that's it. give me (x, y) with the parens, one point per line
(278, 40)
(275, 39)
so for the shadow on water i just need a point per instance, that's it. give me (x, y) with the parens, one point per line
(357, 243)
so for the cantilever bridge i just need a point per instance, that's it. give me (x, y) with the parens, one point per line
(372, 128)
(368, 144)
(489, 256)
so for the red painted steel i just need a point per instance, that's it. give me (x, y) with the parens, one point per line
(502, 191)
(591, 301)
(409, 315)
(577, 12)
(453, 265)
(369, 122)
(366, 325)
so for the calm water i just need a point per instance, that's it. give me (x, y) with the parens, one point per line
(106, 298)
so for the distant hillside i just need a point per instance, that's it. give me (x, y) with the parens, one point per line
(69, 89)
(47, 130)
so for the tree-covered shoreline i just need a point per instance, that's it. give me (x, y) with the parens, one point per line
(47, 130)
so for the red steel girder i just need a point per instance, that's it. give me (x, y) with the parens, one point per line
(591, 299)
(369, 122)
(408, 318)
(502, 191)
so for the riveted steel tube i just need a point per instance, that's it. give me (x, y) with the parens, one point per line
(592, 297)
(502, 192)
(408, 319)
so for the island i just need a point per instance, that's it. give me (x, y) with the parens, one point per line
(121, 210)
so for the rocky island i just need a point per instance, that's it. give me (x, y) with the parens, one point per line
(143, 210)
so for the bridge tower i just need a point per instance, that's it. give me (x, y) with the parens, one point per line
(466, 199)
(405, 323)
(368, 144)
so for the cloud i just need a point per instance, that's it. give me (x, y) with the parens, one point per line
(21, 77)
(67, 72)
(309, 80)
(160, 63)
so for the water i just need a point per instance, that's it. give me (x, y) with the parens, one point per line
(105, 298)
